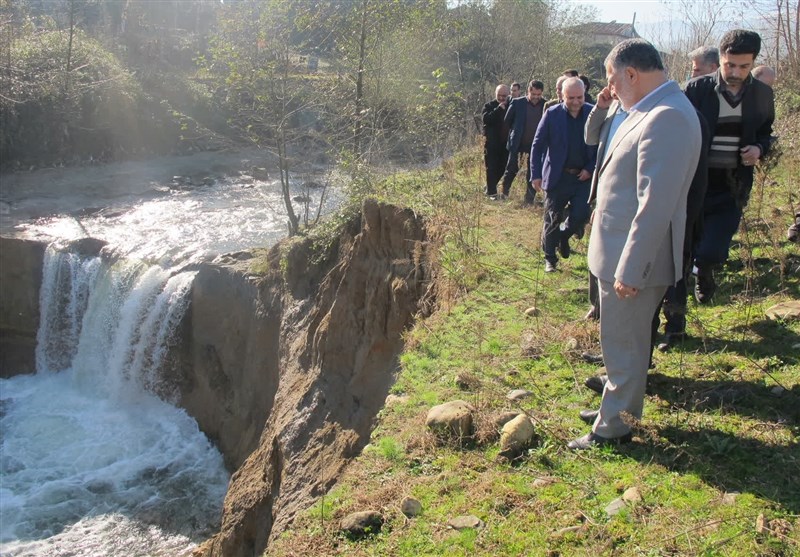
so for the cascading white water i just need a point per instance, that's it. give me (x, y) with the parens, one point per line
(92, 462)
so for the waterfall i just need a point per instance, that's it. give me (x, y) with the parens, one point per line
(92, 461)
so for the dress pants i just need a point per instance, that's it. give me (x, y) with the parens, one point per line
(625, 338)
(495, 159)
(568, 191)
(512, 168)
(721, 216)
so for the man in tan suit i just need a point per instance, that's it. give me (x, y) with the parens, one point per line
(636, 246)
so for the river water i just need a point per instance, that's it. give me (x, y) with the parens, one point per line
(92, 462)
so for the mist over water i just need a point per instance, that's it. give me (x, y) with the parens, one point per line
(92, 462)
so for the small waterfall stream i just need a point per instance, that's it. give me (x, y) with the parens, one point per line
(91, 461)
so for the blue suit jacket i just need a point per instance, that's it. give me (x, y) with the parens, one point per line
(515, 119)
(549, 151)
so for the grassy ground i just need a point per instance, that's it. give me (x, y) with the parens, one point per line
(717, 446)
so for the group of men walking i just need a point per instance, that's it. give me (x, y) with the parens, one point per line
(668, 173)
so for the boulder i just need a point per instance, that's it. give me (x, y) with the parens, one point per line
(362, 523)
(466, 521)
(451, 419)
(516, 436)
(787, 311)
(410, 507)
(518, 394)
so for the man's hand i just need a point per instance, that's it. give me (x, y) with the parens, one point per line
(537, 184)
(604, 98)
(624, 291)
(750, 154)
(584, 175)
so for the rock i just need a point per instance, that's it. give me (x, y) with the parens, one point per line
(451, 419)
(568, 529)
(544, 481)
(467, 381)
(516, 436)
(391, 400)
(301, 198)
(410, 507)
(532, 311)
(518, 394)
(761, 524)
(729, 498)
(615, 506)
(571, 344)
(777, 390)
(464, 522)
(796, 346)
(787, 311)
(632, 495)
(503, 418)
(362, 523)
(245, 179)
(86, 247)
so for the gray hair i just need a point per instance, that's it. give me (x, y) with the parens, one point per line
(570, 81)
(637, 54)
(705, 55)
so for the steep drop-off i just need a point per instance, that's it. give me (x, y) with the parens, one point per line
(289, 370)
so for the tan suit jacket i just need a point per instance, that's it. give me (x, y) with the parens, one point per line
(642, 183)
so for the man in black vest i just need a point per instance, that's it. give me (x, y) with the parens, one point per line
(739, 111)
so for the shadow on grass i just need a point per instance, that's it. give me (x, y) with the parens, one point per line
(728, 462)
(746, 398)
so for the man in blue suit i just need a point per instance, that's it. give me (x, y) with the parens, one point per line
(561, 166)
(522, 118)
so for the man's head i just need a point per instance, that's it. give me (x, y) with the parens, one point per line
(570, 73)
(705, 60)
(501, 93)
(516, 90)
(559, 82)
(535, 90)
(573, 91)
(765, 74)
(738, 50)
(633, 68)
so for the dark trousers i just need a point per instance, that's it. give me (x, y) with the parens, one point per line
(675, 308)
(495, 159)
(515, 160)
(721, 216)
(568, 202)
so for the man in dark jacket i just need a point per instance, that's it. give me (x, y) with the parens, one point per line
(561, 165)
(495, 154)
(739, 111)
(522, 118)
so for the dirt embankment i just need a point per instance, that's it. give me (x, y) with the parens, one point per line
(290, 370)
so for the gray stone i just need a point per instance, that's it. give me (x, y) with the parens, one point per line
(544, 481)
(466, 521)
(410, 507)
(451, 419)
(532, 311)
(571, 344)
(788, 311)
(615, 506)
(362, 523)
(518, 394)
(777, 390)
(395, 399)
(503, 418)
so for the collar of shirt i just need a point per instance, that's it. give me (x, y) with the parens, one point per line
(636, 107)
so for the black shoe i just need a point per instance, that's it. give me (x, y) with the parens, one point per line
(672, 339)
(579, 233)
(549, 266)
(563, 246)
(591, 358)
(593, 440)
(589, 416)
(793, 234)
(593, 314)
(704, 287)
(596, 383)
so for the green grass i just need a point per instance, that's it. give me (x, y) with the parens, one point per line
(721, 415)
